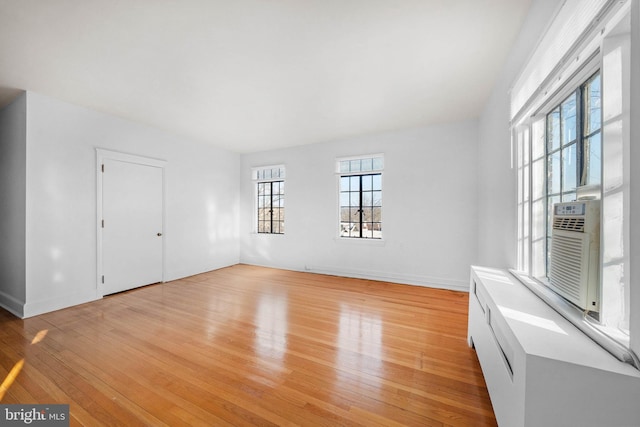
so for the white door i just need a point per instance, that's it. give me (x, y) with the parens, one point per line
(132, 228)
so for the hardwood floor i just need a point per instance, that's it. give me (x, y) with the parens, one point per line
(248, 345)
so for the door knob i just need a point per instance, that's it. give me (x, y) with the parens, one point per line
(159, 234)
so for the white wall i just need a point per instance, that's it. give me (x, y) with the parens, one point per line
(201, 231)
(13, 127)
(496, 179)
(429, 208)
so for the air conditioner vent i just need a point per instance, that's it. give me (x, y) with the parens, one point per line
(567, 264)
(570, 224)
(574, 253)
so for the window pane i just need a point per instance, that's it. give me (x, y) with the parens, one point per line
(593, 106)
(593, 160)
(538, 179)
(344, 183)
(537, 139)
(344, 199)
(569, 197)
(376, 182)
(553, 130)
(553, 173)
(376, 215)
(366, 214)
(367, 198)
(568, 115)
(354, 166)
(367, 182)
(366, 165)
(345, 214)
(377, 198)
(551, 201)
(378, 163)
(354, 183)
(569, 168)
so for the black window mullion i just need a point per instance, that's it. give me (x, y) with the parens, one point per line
(271, 207)
(360, 216)
(580, 139)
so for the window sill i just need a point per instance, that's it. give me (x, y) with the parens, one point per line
(609, 338)
(359, 241)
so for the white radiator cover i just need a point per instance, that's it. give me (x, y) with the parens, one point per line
(574, 264)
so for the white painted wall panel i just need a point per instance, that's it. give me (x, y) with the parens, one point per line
(201, 200)
(429, 208)
(13, 127)
(496, 178)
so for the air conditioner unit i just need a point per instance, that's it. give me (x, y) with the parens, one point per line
(574, 264)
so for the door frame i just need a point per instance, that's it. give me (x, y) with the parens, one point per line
(101, 156)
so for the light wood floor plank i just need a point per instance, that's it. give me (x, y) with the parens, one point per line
(246, 345)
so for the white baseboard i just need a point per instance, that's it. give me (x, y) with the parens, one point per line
(58, 303)
(406, 279)
(181, 274)
(11, 304)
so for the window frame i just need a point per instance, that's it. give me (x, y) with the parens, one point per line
(375, 168)
(577, 89)
(269, 175)
(603, 44)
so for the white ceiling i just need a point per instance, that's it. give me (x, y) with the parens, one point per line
(253, 75)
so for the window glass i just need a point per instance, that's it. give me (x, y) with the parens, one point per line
(270, 199)
(593, 161)
(569, 168)
(553, 130)
(360, 196)
(573, 143)
(593, 104)
(568, 120)
(553, 173)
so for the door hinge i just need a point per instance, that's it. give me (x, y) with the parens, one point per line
(103, 167)
(103, 223)
(103, 280)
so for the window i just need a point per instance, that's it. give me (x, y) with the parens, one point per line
(270, 199)
(361, 197)
(561, 117)
(573, 146)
